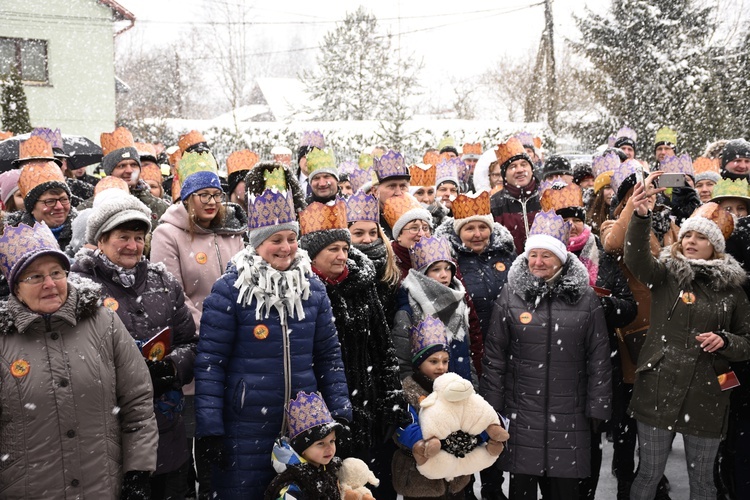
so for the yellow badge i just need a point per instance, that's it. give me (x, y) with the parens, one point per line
(688, 298)
(500, 266)
(525, 318)
(201, 258)
(111, 304)
(20, 368)
(157, 351)
(260, 332)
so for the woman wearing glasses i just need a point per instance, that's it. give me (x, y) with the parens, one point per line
(409, 222)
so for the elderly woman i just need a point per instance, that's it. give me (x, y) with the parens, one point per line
(409, 222)
(546, 364)
(148, 300)
(267, 332)
(75, 394)
(683, 373)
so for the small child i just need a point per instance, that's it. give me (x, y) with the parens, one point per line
(311, 471)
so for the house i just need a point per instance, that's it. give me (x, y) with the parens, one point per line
(65, 53)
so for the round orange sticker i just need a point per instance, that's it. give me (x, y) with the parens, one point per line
(688, 298)
(111, 304)
(500, 266)
(525, 318)
(157, 351)
(260, 332)
(201, 258)
(20, 368)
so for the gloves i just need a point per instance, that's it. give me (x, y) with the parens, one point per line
(344, 437)
(163, 376)
(210, 449)
(424, 449)
(136, 485)
(608, 305)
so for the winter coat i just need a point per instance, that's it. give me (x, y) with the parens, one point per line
(403, 258)
(158, 207)
(241, 389)
(154, 302)
(305, 481)
(378, 255)
(547, 368)
(367, 352)
(683, 203)
(80, 414)
(676, 384)
(515, 209)
(79, 190)
(63, 236)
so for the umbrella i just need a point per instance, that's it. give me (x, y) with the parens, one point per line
(81, 150)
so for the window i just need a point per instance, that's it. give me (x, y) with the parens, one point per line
(27, 55)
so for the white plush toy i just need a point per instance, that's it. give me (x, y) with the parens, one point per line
(454, 406)
(353, 476)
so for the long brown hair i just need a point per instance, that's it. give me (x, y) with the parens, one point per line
(216, 222)
(598, 212)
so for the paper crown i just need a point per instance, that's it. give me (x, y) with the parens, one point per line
(389, 165)
(19, 243)
(728, 188)
(561, 195)
(665, 135)
(360, 177)
(703, 164)
(625, 170)
(422, 175)
(174, 154)
(550, 224)
(110, 182)
(54, 137)
(150, 172)
(396, 206)
(715, 214)
(429, 250)
(682, 164)
(190, 139)
(241, 160)
(512, 149)
(626, 133)
(347, 167)
(305, 412)
(526, 139)
(323, 217)
(112, 141)
(35, 148)
(273, 206)
(431, 157)
(471, 150)
(448, 170)
(606, 163)
(365, 161)
(467, 206)
(320, 160)
(281, 150)
(362, 207)
(611, 141)
(446, 142)
(5, 134)
(145, 150)
(192, 163)
(37, 173)
(427, 333)
(313, 138)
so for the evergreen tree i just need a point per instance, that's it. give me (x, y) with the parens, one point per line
(13, 105)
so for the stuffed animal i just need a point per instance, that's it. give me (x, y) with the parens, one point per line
(453, 406)
(353, 476)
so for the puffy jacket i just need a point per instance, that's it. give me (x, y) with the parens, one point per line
(239, 372)
(547, 368)
(676, 384)
(515, 209)
(82, 413)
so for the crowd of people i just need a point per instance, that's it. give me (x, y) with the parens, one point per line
(170, 332)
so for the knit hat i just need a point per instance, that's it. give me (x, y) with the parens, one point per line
(565, 199)
(35, 149)
(271, 211)
(509, 152)
(9, 184)
(582, 171)
(665, 136)
(193, 142)
(110, 182)
(54, 138)
(391, 166)
(38, 177)
(549, 232)
(116, 147)
(736, 148)
(114, 209)
(556, 165)
(471, 207)
(712, 222)
(238, 164)
(602, 180)
(429, 250)
(626, 136)
(197, 171)
(322, 224)
(706, 169)
(427, 338)
(401, 210)
(321, 161)
(309, 420)
(447, 171)
(21, 245)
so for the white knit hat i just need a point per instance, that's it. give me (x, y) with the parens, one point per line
(113, 210)
(546, 242)
(707, 228)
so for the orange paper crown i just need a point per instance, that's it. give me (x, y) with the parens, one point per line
(703, 164)
(35, 148)
(556, 198)
(241, 160)
(321, 217)
(174, 154)
(508, 150)
(145, 149)
(150, 172)
(431, 158)
(715, 214)
(396, 206)
(39, 172)
(472, 149)
(190, 139)
(112, 141)
(465, 206)
(422, 174)
(110, 182)
(5, 134)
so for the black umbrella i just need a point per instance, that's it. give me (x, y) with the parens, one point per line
(82, 151)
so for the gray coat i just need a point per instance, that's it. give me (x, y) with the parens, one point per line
(81, 413)
(546, 367)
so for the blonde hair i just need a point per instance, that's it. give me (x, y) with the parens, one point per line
(216, 222)
(391, 273)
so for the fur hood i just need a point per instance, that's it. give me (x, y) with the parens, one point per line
(255, 184)
(569, 286)
(501, 240)
(718, 274)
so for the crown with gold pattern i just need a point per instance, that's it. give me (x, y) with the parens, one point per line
(510, 151)
(119, 139)
(622, 174)
(274, 205)
(429, 250)
(150, 172)
(241, 161)
(431, 157)
(605, 163)
(365, 161)
(728, 188)
(396, 206)
(561, 195)
(110, 182)
(682, 164)
(707, 169)
(192, 138)
(427, 338)
(548, 223)
(471, 150)
(448, 170)
(54, 137)
(362, 207)
(306, 412)
(321, 161)
(665, 136)
(313, 139)
(715, 214)
(467, 206)
(21, 244)
(347, 167)
(5, 134)
(390, 165)
(422, 175)
(35, 149)
(323, 217)
(360, 177)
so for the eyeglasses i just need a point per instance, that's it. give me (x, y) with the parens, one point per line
(38, 279)
(50, 203)
(416, 229)
(207, 197)
(497, 175)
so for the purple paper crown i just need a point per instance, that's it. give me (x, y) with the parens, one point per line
(53, 137)
(313, 138)
(270, 208)
(611, 141)
(526, 139)
(427, 333)
(427, 251)
(21, 243)
(625, 170)
(627, 132)
(306, 412)
(391, 164)
(359, 178)
(682, 164)
(606, 163)
(447, 170)
(347, 167)
(550, 224)
(464, 172)
(362, 207)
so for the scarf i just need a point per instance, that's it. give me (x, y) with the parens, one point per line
(331, 281)
(427, 297)
(126, 276)
(402, 254)
(377, 253)
(584, 246)
(271, 288)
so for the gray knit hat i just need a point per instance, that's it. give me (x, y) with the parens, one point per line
(261, 234)
(110, 161)
(316, 241)
(111, 211)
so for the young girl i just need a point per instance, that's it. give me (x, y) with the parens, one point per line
(311, 471)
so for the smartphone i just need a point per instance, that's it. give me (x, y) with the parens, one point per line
(672, 180)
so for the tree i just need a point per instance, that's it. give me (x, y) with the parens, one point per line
(13, 105)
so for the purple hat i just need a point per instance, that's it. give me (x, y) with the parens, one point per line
(427, 338)
(21, 245)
